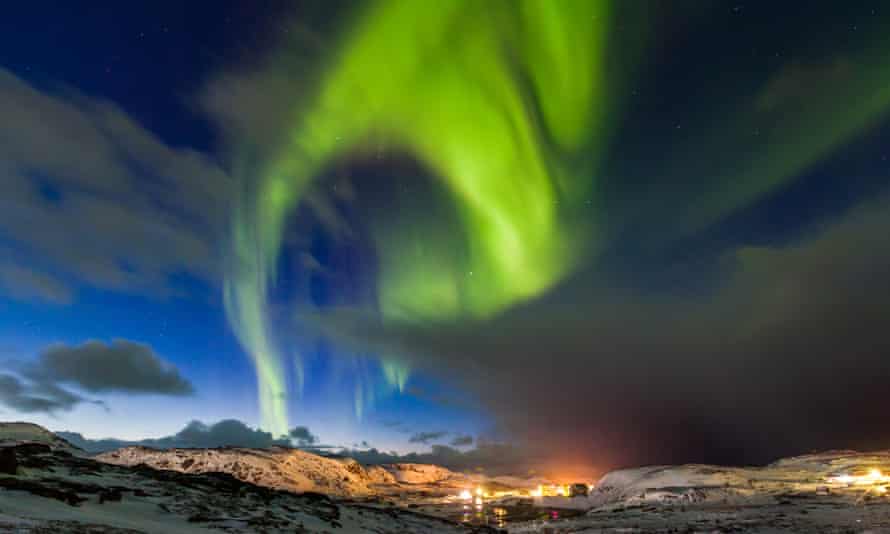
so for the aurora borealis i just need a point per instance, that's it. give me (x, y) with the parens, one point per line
(514, 119)
(461, 109)
(573, 225)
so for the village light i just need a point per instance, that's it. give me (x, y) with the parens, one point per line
(872, 478)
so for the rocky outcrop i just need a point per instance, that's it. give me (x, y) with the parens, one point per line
(8, 462)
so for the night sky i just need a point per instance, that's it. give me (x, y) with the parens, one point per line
(563, 236)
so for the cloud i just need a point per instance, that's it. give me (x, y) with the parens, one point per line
(24, 283)
(492, 458)
(229, 432)
(225, 433)
(42, 384)
(28, 398)
(426, 437)
(389, 423)
(121, 366)
(90, 197)
(303, 437)
(772, 361)
(462, 441)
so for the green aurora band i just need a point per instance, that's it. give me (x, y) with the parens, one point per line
(510, 107)
(461, 106)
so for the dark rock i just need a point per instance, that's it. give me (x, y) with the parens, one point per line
(73, 486)
(33, 448)
(41, 490)
(8, 461)
(110, 495)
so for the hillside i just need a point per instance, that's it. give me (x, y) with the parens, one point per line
(834, 491)
(20, 432)
(279, 468)
(422, 473)
(47, 489)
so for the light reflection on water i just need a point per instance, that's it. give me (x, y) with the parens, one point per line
(500, 515)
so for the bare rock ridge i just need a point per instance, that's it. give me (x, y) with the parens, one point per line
(279, 468)
(287, 469)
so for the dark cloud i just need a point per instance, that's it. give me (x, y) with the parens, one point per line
(41, 385)
(229, 432)
(426, 437)
(492, 458)
(226, 433)
(303, 437)
(122, 366)
(462, 441)
(33, 398)
(786, 355)
(143, 211)
(25, 284)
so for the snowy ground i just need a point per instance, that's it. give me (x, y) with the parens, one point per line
(46, 485)
(840, 491)
(278, 468)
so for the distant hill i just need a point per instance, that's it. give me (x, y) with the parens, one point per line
(277, 467)
(21, 432)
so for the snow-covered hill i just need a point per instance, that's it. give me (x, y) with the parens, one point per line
(47, 489)
(278, 468)
(700, 483)
(422, 473)
(47, 486)
(290, 469)
(835, 491)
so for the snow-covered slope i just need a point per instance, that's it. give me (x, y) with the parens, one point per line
(421, 473)
(288, 469)
(699, 483)
(45, 489)
(19, 432)
(379, 475)
(835, 491)
(278, 468)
